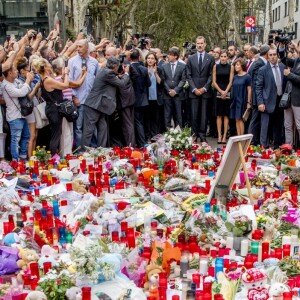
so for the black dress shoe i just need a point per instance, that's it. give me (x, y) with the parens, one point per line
(203, 139)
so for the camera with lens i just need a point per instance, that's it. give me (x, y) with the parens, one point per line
(189, 46)
(121, 60)
(142, 42)
(283, 37)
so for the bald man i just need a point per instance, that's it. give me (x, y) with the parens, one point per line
(80, 94)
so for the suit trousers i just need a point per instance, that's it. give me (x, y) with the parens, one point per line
(254, 126)
(173, 105)
(139, 126)
(291, 116)
(199, 116)
(277, 123)
(94, 119)
(127, 123)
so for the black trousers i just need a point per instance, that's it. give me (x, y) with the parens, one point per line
(254, 126)
(55, 121)
(152, 119)
(173, 108)
(139, 126)
(127, 122)
(199, 115)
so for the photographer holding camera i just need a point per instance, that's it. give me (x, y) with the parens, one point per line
(292, 73)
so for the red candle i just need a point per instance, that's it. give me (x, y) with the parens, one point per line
(196, 279)
(86, 292)
(278, 253)
(265, 246)
(130, 238)
(34, 269)
(47, 266)
(115, 236)
(286, 250)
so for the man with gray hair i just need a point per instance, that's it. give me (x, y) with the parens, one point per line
(80, 94)
(101, 101)
(254, 126)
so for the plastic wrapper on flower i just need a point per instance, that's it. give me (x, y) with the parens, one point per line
(9, 198)
(135, 271)
(8, 260)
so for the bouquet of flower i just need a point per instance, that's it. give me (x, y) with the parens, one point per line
(204, 148)
(55, 284)
(179, 139)
(159, 152)
(86, 260)
(240, 226)
(209, 164)
(5, 167)
(41, 154)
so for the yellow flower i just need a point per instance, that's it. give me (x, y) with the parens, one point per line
(38, 147)
(34, 152)
(48, 152)
(44, 146)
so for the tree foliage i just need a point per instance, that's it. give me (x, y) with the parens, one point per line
(172, 22)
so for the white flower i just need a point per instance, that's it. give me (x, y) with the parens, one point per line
(175, 131)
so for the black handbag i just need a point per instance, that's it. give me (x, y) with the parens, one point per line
(26, 105)
(285, 101)
(68, 110)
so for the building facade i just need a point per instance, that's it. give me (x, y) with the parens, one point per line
(280, 16)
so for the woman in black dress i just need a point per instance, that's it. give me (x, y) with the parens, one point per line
(222, 81)
(52, 93)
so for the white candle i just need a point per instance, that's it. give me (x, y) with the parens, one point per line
(177, 271)
(286, 240)
(232, 254)
(203, 267)
(244, 247)
(259, 253)
(229, 242)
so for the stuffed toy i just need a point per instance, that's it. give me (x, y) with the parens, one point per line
(116, 260)
(36, 295)
(79, 186)
(27, 256)
(152, 276)
(10, 239)
(47, 255)
(132, 174)
(277, 289)
(74, 293)
(255, 282)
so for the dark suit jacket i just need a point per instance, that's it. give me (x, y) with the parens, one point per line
(102, 96)
(254, 71)
(174, 83)
(199, 79)
(141, 85)
(294, 78)
(266, 90)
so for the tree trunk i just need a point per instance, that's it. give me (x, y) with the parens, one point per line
(291, 9)
(79, 10)
(268, 20)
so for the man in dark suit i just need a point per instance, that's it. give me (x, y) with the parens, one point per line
(269, 89)
(199, 75)
(254, 126)
(173, 76)
(102, 101)
(140, 86)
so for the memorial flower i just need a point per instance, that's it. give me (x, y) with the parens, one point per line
(179, 138)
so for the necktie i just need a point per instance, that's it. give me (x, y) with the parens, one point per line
(173, 69)
(249, 64)
(278, 80)
(200, 62)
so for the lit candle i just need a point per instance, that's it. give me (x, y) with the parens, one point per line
(265, 250)
(244, 247)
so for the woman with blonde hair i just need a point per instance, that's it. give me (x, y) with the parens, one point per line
(52, 94)
(66, 140)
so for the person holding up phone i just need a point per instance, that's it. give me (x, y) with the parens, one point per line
(80, 94)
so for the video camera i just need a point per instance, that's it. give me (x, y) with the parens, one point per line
(284, 37)
(144, 40)
(121, 59)
(189, 46)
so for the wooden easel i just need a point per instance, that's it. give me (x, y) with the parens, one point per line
(243, 162)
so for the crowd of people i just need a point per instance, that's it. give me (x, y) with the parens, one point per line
(126, 96)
